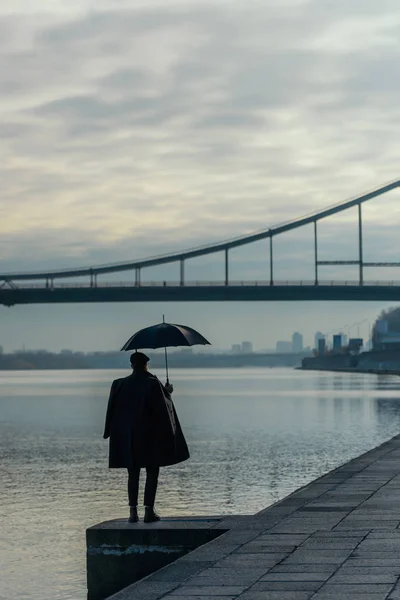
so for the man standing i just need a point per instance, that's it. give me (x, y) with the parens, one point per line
(144, 431)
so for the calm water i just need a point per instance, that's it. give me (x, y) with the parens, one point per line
(255, 436)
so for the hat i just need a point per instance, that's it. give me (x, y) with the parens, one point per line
(138, 359)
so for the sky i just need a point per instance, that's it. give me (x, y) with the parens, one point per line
(131, 128)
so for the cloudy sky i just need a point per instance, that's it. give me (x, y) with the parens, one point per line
(130, 128)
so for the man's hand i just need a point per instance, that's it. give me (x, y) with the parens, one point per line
(169, 387)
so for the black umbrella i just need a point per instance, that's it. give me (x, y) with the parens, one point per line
(165, 335)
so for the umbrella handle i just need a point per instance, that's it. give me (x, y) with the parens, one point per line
(166, 363)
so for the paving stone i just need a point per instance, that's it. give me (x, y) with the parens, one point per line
(374, 562)
(323, 556)
(356, 589)
(323, 595)
(263, 549)
(324, 508)
(278, 540)
(306, 576)
(276, 595)
(284, 567)
(247, 561)
(179, 571)
(216, 590)
(197, 597)
(227, 577)
(301, 526)
(257, 525)
(374, 524)
(286, 586)
(358, 533)
(371, 554)
(360, 578)
(330, 543)
(380, 545)
(369, 570)
(257, 547)
(387, 535)
(375, 516)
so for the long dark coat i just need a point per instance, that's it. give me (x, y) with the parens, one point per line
(142, 424)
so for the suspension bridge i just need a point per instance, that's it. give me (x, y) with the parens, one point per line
(62, 286)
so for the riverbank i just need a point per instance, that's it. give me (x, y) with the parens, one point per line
(377, 362)
(352, 370)
(184, 359)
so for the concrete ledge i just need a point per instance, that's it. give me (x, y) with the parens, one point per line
(120, 553)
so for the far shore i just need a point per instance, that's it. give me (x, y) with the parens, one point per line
(353, 370)
(42, 360)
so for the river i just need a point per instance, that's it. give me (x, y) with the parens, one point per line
(255, 435)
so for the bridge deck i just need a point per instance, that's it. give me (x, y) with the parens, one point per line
(245, 292)
(337, 538)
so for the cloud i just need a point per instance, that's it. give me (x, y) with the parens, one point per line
(136, 129)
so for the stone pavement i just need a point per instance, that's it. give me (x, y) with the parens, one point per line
(336, 538)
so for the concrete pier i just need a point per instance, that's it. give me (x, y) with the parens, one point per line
(337, 538)
(120, 553)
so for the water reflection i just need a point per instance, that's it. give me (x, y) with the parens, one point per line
(255, 435)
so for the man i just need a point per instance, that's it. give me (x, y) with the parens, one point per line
(144, 431)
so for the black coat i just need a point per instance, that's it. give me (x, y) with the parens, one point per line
(142, 424)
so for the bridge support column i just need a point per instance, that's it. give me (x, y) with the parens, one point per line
(316, 252)
(137, 277)
(93, 279)
(226, 266)
(271, 262)
(182, 272)
(360, 245)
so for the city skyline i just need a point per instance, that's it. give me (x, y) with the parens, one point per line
(243, 346)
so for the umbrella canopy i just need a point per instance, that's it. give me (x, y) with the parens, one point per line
(165, 335)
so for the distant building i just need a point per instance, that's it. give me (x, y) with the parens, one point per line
(355, 345)
(318, 336)
(297, 342)
(386, 331)
(337, 342)
(235, 349)
(247, 347)
(382, 326)
(387, 341)
(321, 346)
(283, 347)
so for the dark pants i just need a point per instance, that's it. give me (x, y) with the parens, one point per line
(150, 488)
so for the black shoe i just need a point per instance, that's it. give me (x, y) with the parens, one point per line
(150, 516)
(133, 516)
